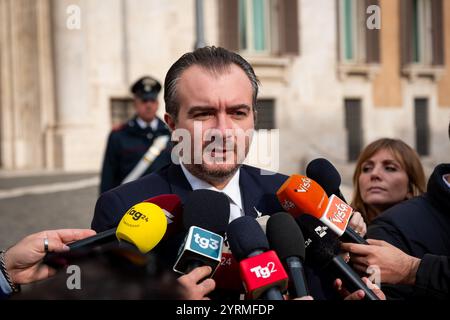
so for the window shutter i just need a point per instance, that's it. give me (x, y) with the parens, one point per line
(406, 25)
(288, 27)
(229, 24)
(372, 37)
(436, 32)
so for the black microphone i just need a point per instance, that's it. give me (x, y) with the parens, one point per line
(261, 270)
(206, 215)
(326, 175)
(322, 248)
(286, 238)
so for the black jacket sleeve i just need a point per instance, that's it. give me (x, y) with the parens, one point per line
(383, 229)
(433, 276)
(109, 209)
(110, 168)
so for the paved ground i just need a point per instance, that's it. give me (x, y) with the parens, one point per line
(30, 203)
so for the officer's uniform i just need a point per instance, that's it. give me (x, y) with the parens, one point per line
(128, 143)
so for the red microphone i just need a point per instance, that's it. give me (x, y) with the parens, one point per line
(262, 272)
(173, 210)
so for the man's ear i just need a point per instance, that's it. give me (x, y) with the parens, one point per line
(170, 121)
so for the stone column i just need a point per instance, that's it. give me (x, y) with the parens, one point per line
(26, 85)
(71, 77)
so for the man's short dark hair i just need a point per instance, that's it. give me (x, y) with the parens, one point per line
(213, 59)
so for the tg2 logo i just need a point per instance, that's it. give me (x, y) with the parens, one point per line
(206, 243)
(264, 272)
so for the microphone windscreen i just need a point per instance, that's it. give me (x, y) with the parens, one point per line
(324, 173)
(245, 236)
(207, 209)
(285, 236)
(173, 209)
(169, 203)
(321, 242)
(143, 225)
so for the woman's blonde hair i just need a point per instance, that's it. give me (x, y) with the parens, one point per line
(408, 159)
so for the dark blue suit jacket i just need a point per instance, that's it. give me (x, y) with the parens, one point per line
(258, 192)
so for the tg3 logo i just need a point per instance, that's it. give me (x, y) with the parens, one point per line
(206, 243)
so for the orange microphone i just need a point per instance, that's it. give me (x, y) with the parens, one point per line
(301, 195)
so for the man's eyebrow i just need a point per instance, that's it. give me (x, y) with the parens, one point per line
(239, 106)
(195, 109)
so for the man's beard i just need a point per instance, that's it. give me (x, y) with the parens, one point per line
(217, 169)
(213, 175)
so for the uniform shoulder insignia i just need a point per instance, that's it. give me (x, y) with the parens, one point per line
(118, 127)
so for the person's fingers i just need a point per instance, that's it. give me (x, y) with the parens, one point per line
(357, 295)
(356, 221)
(305, 298)
(57, 239)
(374, 288)
(70, 235)
(338, 285)
(357, 260)
(359, 249)
(197, 274)
(362, 269)
(379, 243)
(207, 286)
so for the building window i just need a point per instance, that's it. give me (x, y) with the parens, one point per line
(357, 43)
(353, 124)
(122, 109)
(259, 27)
(422, 32)
(254, 26)
(266, 114)
(422, 128)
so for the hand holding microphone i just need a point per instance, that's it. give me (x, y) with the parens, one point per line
(322, 253)
(206, 215)
(23, 261)
(142, 226)
(326, 175)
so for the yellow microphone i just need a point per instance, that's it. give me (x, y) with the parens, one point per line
(143, 225)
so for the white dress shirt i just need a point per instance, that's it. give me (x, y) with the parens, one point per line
(232, 190)
(445, 176)
(143, 124)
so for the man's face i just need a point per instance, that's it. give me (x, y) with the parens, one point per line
(146, 110)
(219, 107)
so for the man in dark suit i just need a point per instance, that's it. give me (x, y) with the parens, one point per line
(210, 97)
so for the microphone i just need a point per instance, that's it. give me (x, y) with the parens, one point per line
(322, 250)
(173, 210)
(143, 226)
(326, 175)
(300, 194)
(171, 207)
(261, 271)
(286, 238)
(323, 172)
(206, 216)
